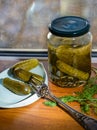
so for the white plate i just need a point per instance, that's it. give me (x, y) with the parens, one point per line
(11, 100)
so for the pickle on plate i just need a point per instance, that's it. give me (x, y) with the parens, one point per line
(26, 76)
(17, 87)
(67, 69)
(26, 65)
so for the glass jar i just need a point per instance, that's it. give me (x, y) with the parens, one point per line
(69, 51)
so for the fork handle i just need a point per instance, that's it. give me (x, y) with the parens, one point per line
(85, 121)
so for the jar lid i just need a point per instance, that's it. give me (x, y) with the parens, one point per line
(69, 26)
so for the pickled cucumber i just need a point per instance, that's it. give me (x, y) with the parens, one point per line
(26, 76)
(67, 69)
(26, 65)
(17, 87)
(72, 55)
(52, 54)
(65, 53)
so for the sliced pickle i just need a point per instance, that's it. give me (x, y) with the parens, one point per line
(67, 69)
(17, 87)
(26, 76)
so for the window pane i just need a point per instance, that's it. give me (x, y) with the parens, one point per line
(24, 23)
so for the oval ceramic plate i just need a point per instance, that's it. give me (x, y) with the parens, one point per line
(11, 100)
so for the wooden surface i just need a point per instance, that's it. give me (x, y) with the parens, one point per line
(37, 116)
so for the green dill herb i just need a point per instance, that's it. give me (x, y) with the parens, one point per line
(50, 103)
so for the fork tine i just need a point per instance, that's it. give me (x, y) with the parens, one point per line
(36, 80)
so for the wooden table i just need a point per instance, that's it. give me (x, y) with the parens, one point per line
(37, 116)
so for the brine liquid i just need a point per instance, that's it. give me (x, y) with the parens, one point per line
(69, 65)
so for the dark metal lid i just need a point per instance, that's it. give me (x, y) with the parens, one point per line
(69, 26)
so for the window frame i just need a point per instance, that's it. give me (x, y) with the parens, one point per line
(35, 53)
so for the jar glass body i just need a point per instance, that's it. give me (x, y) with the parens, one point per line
(69, 59)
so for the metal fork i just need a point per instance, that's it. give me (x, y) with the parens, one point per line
(43, 91)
